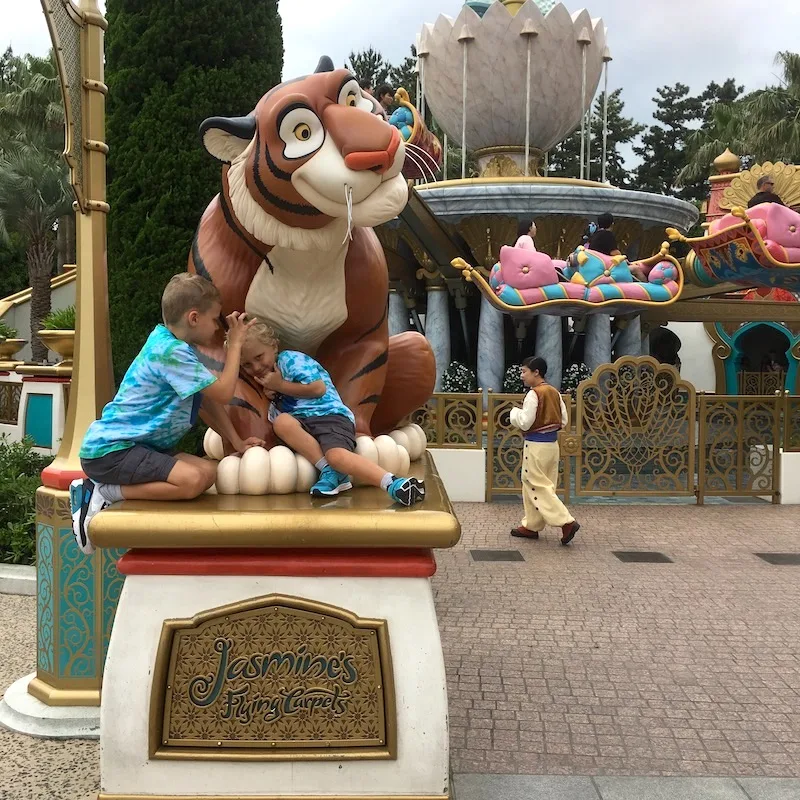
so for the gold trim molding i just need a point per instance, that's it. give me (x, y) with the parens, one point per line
(274, 678)
(52, 696)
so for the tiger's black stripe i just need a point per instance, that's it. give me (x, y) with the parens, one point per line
(274, 168)
(373, 399)
(237, 401)
(375, 326)
(293, 208)
(372, 366)
(232, 224)
(197, 259)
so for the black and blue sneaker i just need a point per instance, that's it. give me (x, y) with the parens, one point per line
(406, 491)
(85, 501)
(330, 483)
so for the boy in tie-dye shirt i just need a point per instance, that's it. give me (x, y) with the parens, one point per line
(127, 453)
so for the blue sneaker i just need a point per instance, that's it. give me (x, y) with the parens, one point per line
(407, 491)
(85, 501)
(330, 483)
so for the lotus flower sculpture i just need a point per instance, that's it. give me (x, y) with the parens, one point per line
(497, 52)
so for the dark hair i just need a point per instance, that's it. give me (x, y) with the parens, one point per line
(524, 227)
(364, 83)
(383, 89)
(536, 364)
(605, 220)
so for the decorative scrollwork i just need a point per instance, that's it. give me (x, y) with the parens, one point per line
(45, 599)
(452, 420)
(636, 430)
(791, 425)
(761, 383)
(10, 394)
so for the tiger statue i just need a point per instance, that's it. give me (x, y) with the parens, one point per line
(289, 240)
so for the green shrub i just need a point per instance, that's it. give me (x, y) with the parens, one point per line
(61, 320)
(6, 331)
(512, 380)
(459, 379)
(20, 470)
(169, 66)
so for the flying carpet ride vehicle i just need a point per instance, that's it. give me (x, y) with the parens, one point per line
(526, 281)
(760, 245)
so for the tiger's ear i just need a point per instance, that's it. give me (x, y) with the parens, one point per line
(227, 137)
(325, 65)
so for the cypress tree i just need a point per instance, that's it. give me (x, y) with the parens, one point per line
(169, 66)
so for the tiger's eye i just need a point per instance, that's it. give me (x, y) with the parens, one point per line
(303, 132)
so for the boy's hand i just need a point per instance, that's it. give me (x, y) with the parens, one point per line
(252, 441)
(272, 380)
(237, 328)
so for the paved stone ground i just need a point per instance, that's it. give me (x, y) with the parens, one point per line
(572, 663)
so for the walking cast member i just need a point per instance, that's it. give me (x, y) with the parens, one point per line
(542, 416)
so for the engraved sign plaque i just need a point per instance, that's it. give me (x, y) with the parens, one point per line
(273, 678)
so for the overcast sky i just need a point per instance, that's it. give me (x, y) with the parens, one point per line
(653, 42)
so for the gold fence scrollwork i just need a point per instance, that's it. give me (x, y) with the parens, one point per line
(10, 394)
(761, 382)
(635, 424)
(791, 424)
(739, 441)
(452, 420)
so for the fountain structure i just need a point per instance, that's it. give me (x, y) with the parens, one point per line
(507, 81)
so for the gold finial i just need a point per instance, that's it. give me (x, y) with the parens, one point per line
(513, 5)
(727, 162)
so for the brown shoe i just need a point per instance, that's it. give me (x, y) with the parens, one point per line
(524, 533)
(568, 532)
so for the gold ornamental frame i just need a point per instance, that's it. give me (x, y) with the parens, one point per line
(383, 747)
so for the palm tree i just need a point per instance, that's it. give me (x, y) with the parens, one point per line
(33, 196)
(763, 126)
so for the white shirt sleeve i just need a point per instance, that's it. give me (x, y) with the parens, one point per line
(564, 416)
(524, 417)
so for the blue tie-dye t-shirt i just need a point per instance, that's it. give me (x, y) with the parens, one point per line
(299, 368)
(157, 402)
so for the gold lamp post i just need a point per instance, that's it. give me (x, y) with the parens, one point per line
(77, 594)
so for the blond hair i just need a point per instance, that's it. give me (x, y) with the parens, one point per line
(185, 293)
(261, 332)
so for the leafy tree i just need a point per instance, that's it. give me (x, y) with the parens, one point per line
(762, 126)
(169, 67)
(564, 159)
(33, 195)
(369, 65)
(13, 269)
(405, 75)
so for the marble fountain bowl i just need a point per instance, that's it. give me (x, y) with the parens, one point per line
(485, 213)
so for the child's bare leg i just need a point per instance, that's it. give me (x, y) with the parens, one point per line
(355, 465)
(189, 478)
(291, 432)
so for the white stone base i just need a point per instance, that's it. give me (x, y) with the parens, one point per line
(421, 766)
(790, 479)
(17, 579)
(23, 713)
(463, 473)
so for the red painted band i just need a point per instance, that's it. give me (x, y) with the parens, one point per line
(43, 379)
(56, 478)
(339, 563)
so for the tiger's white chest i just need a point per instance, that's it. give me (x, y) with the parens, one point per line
(303, 300)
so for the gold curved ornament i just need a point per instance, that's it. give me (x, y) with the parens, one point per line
(743, 186)
(485, 235)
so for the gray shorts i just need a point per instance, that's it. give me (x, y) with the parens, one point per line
(137, 464)
(331, 431)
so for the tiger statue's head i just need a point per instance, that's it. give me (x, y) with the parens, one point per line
(312, 157)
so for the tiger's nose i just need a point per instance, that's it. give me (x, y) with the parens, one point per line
(365, 141)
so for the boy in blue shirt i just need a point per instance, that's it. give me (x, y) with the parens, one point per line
(126, 454)
(310, 417)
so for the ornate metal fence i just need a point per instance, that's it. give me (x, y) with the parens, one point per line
(738, 446)
(761, 383)
(10, 394)
(636, 429)
(452, 420)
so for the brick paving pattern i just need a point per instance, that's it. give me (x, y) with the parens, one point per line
(574, 663)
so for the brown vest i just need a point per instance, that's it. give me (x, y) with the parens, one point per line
(548, 413)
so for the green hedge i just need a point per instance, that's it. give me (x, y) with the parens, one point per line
(20, 469)
(170, 66)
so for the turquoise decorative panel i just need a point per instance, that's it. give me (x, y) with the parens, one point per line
(112, 586)
(45, 599)
(77, 610)
(39, 419)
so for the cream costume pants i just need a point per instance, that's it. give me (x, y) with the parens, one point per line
(539, 481)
